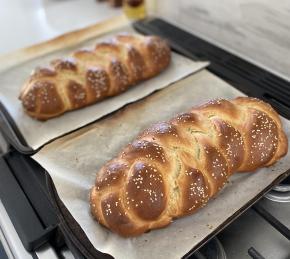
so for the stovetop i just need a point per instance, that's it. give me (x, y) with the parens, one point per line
(253, 234)
(250, 236)
(252, 231)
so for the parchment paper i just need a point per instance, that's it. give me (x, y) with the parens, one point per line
(73, 161)
(38, 133)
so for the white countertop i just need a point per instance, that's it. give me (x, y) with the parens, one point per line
(26, 22)
(257, 30)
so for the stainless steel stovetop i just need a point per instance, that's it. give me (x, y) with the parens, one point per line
(250, 236)
(261, 232)
(251, 230)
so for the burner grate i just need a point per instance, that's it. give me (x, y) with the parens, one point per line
(211, 250)
(255, 254)
(274, 222)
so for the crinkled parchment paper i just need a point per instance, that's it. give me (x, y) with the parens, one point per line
(37, 133)
(73, 161)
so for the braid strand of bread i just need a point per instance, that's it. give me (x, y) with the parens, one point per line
(173, 168)
(90, 75)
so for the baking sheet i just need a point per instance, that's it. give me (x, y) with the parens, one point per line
(73, 161)
(37, 133)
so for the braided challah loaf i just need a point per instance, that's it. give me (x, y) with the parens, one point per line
(173, 168)
(89, 76)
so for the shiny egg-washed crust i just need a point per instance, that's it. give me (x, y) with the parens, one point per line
(173, 168)
(90, 75)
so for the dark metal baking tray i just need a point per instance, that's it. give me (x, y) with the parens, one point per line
(79, 241)
(241, 74)
(221, 66)
(245, 76)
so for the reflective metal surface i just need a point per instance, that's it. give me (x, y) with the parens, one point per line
(278, 196)
(251, 230)
(280, 193)
(211, 250)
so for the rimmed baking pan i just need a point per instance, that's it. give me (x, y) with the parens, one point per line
(73, 161)
(27, 135)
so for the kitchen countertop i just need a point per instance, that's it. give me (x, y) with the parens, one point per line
(27, 22)
(256, 29)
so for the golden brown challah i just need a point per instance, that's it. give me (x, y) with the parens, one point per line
(91, 75)
(174, 167)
